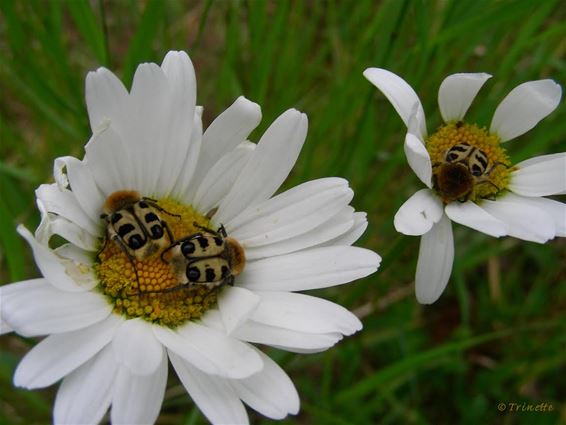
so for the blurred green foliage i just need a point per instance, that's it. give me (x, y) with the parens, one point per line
(497, 335)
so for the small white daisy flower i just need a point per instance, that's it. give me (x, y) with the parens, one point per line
(469, 177)
(111, 317)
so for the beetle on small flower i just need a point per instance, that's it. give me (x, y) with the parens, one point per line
(469, 176)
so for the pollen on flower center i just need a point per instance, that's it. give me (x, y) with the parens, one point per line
(468, 162)
(135, 286)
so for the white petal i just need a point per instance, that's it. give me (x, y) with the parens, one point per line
(540, 176)
(109, 161)
(419, 213)
(64, 203)
(287, 199)
(236, 305)
(457, 92)
(286, 339)
(54, 224)
(270, 392)
(304, 313)
(185, 187)
(213, 319)
(555, 209)
(136, 348)
(436, 254)
(227, 131)
(58, 355)
(4, 326)
(291, 213)
(210, 350)
(326, 231)
(471, 215)
(60, 174)
(524, 107)
(214, 396)
(151, 107)
(180, 74)
(181, 80)
(400, 94)
(302, 350)
(524, 220)
(106, 97)
(49, 264)
(268, 166)
(137, 399)
(71, 232)
(85, 394)
(14, 288)
(36, 308)
(74, 253)
(418, 159)
(357, 230)
(310, 269)
(78, 264)
(82, 185)
(221, 176)
(43, 231)
(417, 123)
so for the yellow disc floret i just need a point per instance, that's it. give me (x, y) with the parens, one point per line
(133, 286)
(467, 155)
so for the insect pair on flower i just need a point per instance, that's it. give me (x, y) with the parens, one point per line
(135, 224)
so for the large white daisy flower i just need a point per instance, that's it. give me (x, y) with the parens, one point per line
(112, 325)
(469, 177)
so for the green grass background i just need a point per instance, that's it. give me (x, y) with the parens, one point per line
(497, 335)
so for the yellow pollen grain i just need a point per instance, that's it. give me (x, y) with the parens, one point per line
(453, 134)
(125, 283)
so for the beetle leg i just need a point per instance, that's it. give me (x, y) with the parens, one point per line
(103, 246)
(121, 245)
(496, 165)
(168, 230)
(489, 182)
(166, 250)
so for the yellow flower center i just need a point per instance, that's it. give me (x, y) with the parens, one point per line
(468, 163)
(133, 286)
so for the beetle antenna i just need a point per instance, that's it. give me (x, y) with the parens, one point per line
(154, 204)
(206, 229)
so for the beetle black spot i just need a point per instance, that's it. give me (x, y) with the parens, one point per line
(149, 217)
(462, 147)
(156, 231)
(193, 274)
(124, 229)
(135, 242)
(476, 171)
(203, 242)
(143, 204)
(116, 217)
(482, 160)
(225, 271)
(451, 157)
(218, 241)
(210, 275)
(187, 248)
